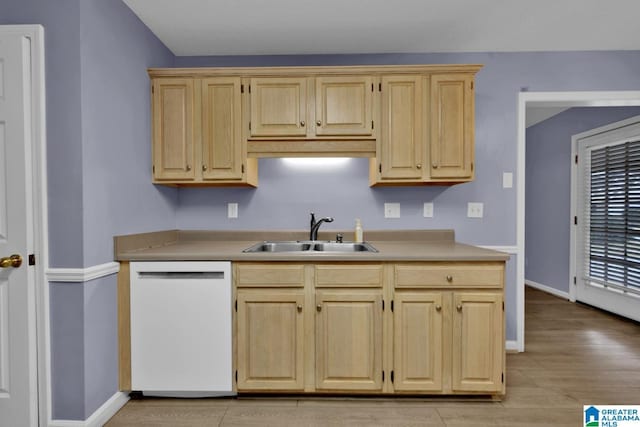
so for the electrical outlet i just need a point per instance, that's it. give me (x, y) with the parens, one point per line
(427, 210)
(507, 180)
(392, 210)
(232, 210)
(474, 210)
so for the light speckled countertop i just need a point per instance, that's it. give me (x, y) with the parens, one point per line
(396, 245)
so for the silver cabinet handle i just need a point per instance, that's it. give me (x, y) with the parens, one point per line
(301, 122)
(204, 167)
(319, 307)
(299, 308)
(319, 123)
(459, 307)
(188, 168)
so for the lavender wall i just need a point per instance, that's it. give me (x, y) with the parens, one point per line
(548, 190)
(61, 21)
(118, 197)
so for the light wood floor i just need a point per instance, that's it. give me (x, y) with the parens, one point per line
(574, 355)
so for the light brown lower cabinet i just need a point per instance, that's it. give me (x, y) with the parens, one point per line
(349, 339)
(270, 346)
(404, 328)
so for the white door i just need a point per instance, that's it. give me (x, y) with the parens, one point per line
(608, 218)
(18, 380)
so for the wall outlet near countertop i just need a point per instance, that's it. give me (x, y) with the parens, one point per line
(232, 210)
(392, 210)
(427, 210)
(475, 210)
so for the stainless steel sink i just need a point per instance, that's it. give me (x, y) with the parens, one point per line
(344, 247)
(279, 247)
(310, 247)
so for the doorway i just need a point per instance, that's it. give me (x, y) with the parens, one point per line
(552, 100)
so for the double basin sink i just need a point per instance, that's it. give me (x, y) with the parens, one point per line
(310, 246)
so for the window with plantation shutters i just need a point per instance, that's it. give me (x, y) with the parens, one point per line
(612, 216)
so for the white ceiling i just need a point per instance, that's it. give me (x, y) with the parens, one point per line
(249, 27)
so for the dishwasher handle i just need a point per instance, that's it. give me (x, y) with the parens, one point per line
(219, 275)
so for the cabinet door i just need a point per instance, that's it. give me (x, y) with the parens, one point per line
(452, 126)
(221, 129)
(401, 144)
(278, 106)
(417, 346)
(344, 105)
(173, 126)
(478, 344)
(349, 340)
(270, 340)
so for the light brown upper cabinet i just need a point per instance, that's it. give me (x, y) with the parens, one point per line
(197, 133)
(278, 107)
(414, 122)
(344, 105)
(173, 130)
(311, 107)
(401, 145)
(452, 126)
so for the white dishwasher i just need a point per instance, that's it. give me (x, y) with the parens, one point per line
(181, 327)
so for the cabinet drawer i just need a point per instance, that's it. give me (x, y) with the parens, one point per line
(271, 275)
(458, 275)
(352, 275)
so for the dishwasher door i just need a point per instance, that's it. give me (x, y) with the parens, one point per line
(181, 327)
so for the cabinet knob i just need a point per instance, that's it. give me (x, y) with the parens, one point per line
(434, 165)
(299, 308)
(301, 122)
(438, 307)
(204, 167)
(449, 279)
(319, 123)
(319, 307)
(419, 166)
(459, 307)
(188, 168)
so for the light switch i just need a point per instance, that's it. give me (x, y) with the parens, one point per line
(427, 210)
(232, 210)
(392, 210)
(474, 210)
(507, 180)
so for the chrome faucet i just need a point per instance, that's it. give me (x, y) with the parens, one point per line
(315, 225)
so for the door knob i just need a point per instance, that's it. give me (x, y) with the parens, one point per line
(302, 123)
(449, 278)
(459, 307)
(438, 307)
(14, 261)
(319, 123)
(319, 307)
(299, 308)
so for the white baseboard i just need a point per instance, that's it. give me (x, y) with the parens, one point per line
(82, 274)
(547, 289)
(100, 416)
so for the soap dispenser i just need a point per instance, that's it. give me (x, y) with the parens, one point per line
(358, 231)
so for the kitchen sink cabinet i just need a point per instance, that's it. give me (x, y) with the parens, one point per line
(270, 340)
(404, 328)
(349, 339)
(197, 133)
